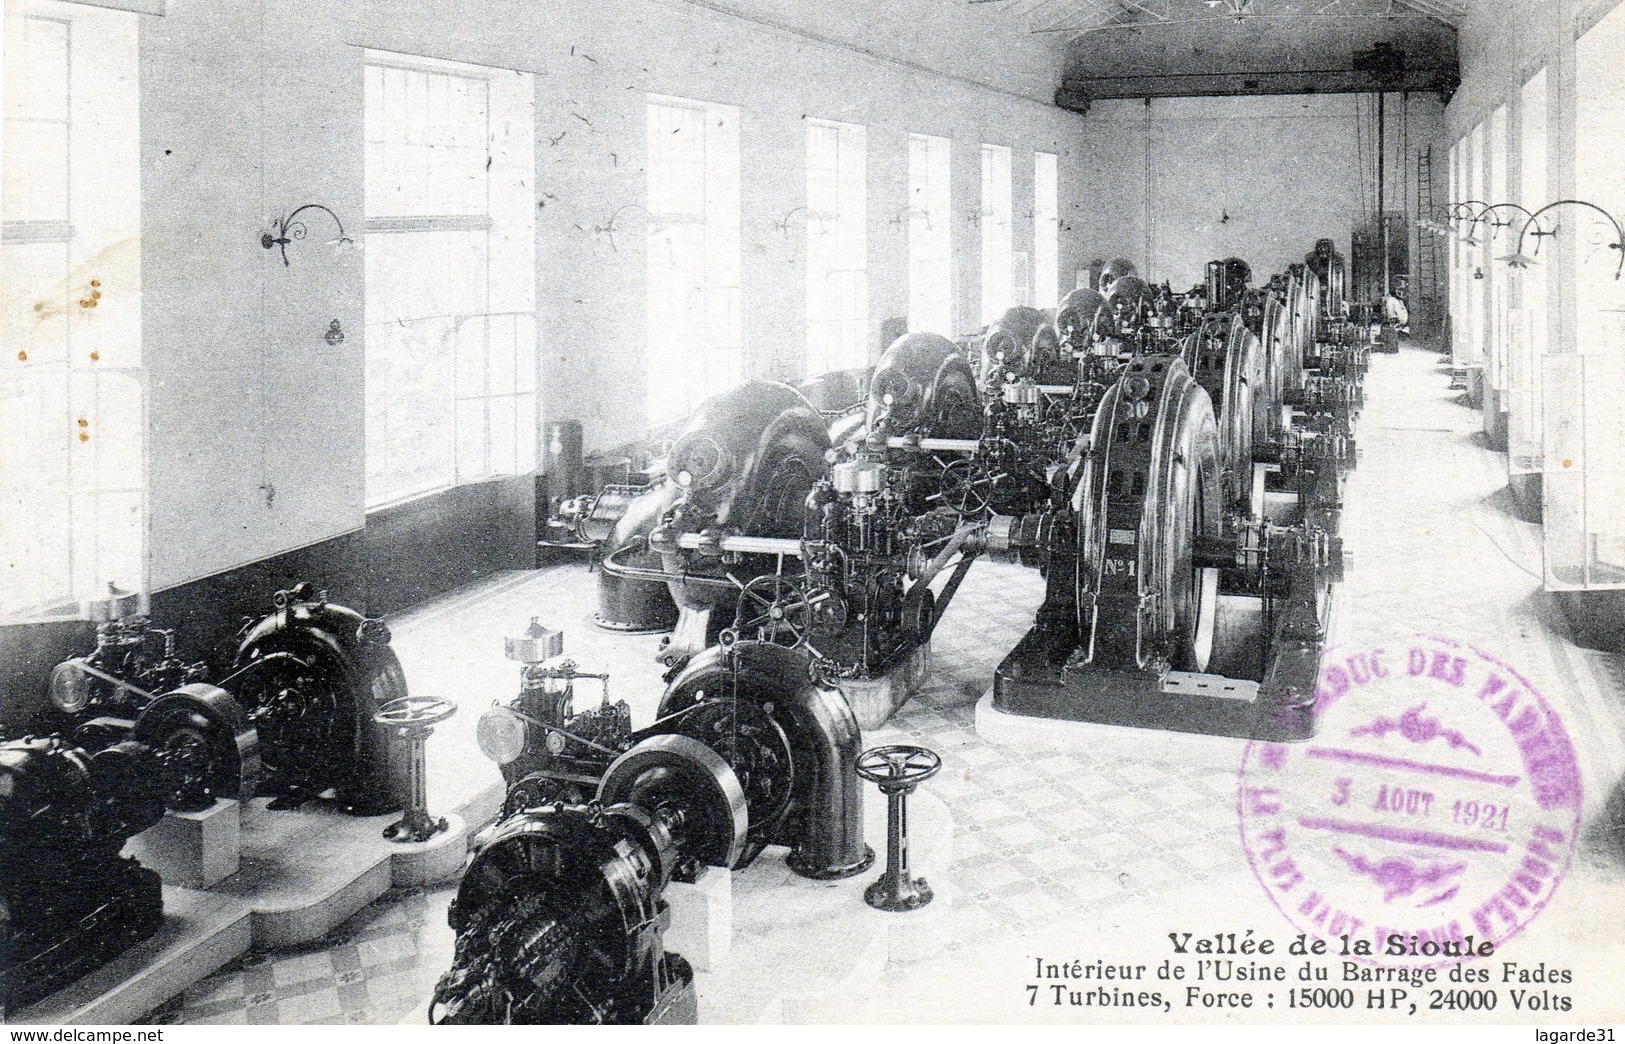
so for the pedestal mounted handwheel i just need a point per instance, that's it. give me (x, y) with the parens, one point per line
(412, 720)
(898, 769)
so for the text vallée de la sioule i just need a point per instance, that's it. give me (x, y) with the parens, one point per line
(1229, 944)
(1216, 962)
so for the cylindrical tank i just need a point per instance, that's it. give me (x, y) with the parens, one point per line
(561, 461)
(633, 595)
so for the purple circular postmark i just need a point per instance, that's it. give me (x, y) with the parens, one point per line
(1438, 805)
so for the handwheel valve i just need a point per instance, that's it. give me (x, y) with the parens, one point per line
(413, 719)
(898, 769)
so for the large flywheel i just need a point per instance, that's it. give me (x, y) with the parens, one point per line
(1229, 363)
(1269, 418)
(1150, 491)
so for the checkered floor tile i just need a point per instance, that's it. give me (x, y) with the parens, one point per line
(1063, 844)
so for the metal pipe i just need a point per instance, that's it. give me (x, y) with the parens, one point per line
(897, 875)
(932, 445)
(748, 545)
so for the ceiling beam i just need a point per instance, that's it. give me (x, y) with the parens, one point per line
(1217, 18)
(1078, 92)
(1097, 15)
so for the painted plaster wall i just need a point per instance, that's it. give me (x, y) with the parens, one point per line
(1178, 182)
(250, 109)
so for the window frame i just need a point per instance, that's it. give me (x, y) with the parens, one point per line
(73, 402)
(931, 282)
(998, 232)
(694, 329)
(487, 353)
(837, 249)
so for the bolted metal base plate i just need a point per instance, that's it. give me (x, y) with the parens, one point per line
(907, 894)
(414, 828)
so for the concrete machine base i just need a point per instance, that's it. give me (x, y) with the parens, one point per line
(301, 874)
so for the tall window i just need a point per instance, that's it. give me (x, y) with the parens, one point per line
(998, 259)
(1527, 328)
(930, 235)
(72, 427)
(695, 340)
(837, 248)
(1584, 427)
(1046, 229)
(1495, 273)
(1473, 260)
(1458, 283)
(450, 275)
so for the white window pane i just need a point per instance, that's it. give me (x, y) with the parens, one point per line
(71, 428)
(525, 434)
(418, 274)
(35, 304)
(1046, 229)
(441, 315)
(409, 375)
(372, 94)
(693, 254)
(837, 244)
(997, 247)
(503, 431)
(436, 118)
(111, 403)
(37, 70)
(433, 137)
(36, 429)
(469, 347)
(500, 365)
(525, 350)
(36, 551)
(930, 236)
(36, 170)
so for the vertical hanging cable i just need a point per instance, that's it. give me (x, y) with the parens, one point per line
(1382, 178)
(1148, 209)
(1359, 156)
(1404, 160)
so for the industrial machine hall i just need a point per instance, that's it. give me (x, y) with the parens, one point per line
(812, 511)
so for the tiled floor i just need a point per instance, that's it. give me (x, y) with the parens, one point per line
(1083, 855)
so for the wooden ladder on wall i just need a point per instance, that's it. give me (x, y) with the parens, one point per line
(1425, 285)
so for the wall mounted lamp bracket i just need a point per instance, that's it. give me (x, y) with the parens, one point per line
(286, 230)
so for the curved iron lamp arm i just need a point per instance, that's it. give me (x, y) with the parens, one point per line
(287, 229)
(1455, 208)
(1618, 245)
(1465, 209)
(609, 227)
(1437, 219)
(1487, 211)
